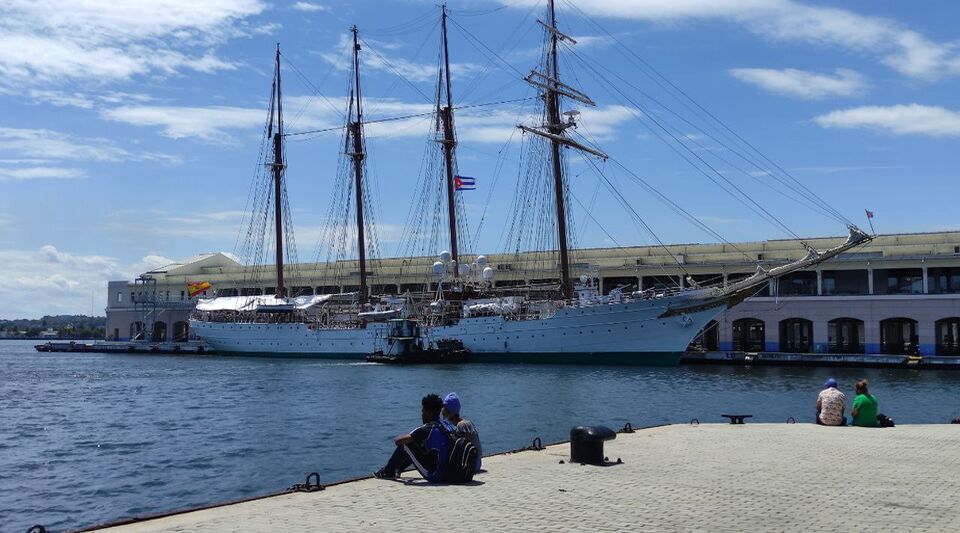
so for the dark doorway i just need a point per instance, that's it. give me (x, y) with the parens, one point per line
(749, 335)
(708, 340)
(948, 336)
(845, 335)
(181, 331)
(899, 336)
(159, 332)
(796, 335)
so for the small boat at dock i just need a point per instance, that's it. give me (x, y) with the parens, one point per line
(406, 346)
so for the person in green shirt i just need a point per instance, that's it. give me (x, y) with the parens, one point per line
(864, 407)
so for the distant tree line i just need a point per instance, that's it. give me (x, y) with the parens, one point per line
(66, 326)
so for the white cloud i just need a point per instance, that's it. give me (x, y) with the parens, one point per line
(308, 6)
(81, 99)
(910, 119)
(892, 43)
(52, 281)
(802, 83)
(33, 173)
(49, 144)
(210, 124)
(216, 124)
(46, 144)
(375, 58)
(51, 43)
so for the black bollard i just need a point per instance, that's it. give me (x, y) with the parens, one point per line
(586, 444)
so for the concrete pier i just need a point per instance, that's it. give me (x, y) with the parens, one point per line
(711, 477)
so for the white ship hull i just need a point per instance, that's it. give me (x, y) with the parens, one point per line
(631, 332)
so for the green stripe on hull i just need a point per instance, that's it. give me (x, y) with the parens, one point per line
(604, 358)
(298, 355)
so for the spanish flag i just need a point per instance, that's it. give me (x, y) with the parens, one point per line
(197, 287)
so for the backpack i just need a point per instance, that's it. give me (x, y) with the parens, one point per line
(461, 462)
(885, 421)
(438, 442)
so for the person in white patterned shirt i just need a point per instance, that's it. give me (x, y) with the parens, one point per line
(830, 405)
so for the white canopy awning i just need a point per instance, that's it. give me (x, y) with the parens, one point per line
(252, 303)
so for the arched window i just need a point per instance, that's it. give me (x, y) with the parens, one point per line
(899, 336)
(948, 336)
(707, 340)
(796, 335)
(749, 335)
(845, 335)
(181, 331)
(159, 332)
(136, 331)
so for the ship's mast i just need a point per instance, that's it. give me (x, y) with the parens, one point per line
(356, 129)
(278, 168)
(552, 88)
(449, 142)
(554, 127)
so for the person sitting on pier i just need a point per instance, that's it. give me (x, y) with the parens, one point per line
(830, 405)
(425, 447)
(464, 427)
(864, 410)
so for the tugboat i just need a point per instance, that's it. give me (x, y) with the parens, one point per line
(405, 346)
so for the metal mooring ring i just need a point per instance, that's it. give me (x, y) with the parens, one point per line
(537, 444)
(307, 486)
(316, 485)
(627, 428)
(694, 421)
(37, 529)
(791, 420)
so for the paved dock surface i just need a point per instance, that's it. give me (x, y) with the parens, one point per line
(716, 477)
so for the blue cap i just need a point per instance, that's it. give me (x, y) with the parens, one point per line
(831, 383)
(452, 403)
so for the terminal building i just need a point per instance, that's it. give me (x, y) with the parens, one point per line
(899, 294)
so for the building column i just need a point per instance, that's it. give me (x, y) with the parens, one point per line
(639, 283)
(869, 281)
(724, 281)
(819, 282)
(683, 281)
(926, 280)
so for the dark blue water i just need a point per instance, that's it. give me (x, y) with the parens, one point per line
(88, 438)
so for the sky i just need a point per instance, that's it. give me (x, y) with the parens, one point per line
(130, 130)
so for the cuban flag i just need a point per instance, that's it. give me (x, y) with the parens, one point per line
(464, 183)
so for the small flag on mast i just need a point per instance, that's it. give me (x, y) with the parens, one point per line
(869, 213)
(464, 183)
(870, 220)
(197, 287)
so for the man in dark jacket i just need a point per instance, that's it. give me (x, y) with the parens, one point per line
(425, 447)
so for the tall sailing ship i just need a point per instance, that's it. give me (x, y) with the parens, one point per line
(569, 322)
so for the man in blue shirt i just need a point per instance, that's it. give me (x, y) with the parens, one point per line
(463, 427)
(425, 447)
